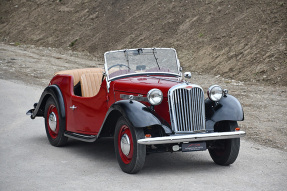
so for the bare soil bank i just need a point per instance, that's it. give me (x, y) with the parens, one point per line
(264, 106)
(238, 39)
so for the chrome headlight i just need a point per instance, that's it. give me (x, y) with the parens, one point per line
(214, 93)
(154, 96)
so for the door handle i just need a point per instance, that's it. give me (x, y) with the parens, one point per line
(73, 107)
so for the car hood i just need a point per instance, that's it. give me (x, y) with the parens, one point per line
(142, 84)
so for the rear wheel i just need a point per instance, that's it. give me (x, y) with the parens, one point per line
(130, 154)
(55, 126)
(224, 152)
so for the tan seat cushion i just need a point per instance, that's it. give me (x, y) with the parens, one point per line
(77, 73)
(90, 84)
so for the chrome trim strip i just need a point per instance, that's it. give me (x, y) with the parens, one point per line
(144, 74)
(191, 138)
(132, 97)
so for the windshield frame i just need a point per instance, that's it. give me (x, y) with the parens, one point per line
(178, 74)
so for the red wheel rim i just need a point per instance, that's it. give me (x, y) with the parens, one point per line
(53, 121)
(125, 132)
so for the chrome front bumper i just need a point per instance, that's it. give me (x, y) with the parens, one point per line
(191, 138)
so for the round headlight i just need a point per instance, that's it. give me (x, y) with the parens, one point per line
(154, 96)
(214, 93)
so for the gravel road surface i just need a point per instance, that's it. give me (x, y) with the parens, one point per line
(29, 162)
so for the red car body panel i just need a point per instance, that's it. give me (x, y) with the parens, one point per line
(90, 113)
(141, 85)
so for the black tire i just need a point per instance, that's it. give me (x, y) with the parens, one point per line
(55, 126)
(132, 158)
(224, 152)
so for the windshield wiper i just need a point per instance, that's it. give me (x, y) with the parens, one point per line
(155, 58)
(140, 50)
(127, 57)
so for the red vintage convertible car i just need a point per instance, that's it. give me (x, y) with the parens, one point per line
(141, 99)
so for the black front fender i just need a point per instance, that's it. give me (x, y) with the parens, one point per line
(137, 113)
(56, 93)
(227, 109)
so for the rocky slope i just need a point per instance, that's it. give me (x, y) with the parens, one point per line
(238, 39)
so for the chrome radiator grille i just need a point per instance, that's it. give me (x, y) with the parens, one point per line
(187, 108)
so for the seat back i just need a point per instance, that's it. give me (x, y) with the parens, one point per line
(90, 84)
(77, 73)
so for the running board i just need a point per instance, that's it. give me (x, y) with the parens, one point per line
(81, 137)
(191, 138)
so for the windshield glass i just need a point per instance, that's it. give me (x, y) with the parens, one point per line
(138, 61)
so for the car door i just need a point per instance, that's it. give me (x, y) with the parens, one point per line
(86, 114)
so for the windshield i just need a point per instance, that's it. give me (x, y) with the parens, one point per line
(141, 61)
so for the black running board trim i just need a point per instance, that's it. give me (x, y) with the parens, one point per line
(81, 137)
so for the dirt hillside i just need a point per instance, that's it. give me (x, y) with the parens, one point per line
(237, 39)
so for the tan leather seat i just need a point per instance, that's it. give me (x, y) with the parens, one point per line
(90, 84)
(77, 73)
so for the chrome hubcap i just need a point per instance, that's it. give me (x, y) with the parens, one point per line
(52, 121)
(125, 144)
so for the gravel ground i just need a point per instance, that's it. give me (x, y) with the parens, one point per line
(264, 106)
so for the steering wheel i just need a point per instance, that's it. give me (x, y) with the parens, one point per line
(120, 65)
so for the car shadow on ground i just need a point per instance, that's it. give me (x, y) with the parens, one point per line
(103, 150)
(178, 162)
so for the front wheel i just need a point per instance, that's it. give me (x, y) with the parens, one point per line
(130, 154)
(224, 152)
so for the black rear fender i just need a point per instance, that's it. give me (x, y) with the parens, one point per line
(50, 91)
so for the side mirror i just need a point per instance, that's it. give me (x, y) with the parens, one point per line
(187, 75)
